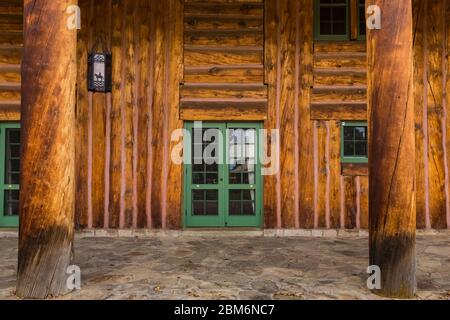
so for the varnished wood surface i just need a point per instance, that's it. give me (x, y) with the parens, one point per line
(47, 197)
(242, 65)
(224, 47)
(392, 200)
(11, 48)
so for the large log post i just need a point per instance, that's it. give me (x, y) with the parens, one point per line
(48, 150)
(392, 166)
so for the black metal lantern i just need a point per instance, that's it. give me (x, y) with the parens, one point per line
(99, 72)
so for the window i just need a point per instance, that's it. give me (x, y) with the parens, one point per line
(361, 19)
(354, 142)
(339, 20)
(9, 174)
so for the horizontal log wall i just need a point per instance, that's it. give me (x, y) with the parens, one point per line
(11, 45)
(223, 61)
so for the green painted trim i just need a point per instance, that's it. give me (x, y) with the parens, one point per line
(190, 220)
(245, 221)
(347, 159)
(316, 18)
(6, 222)
(223, 187)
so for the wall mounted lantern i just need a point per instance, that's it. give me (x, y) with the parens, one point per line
(99, 72)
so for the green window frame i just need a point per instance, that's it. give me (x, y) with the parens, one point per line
(317, 20)
(341, 37)
(9, 152)
(351, 142)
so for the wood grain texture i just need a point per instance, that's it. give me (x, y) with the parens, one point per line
(99, 115)
(131, 128)
(270, 57)
(306, 178)
(256, 63)
(11, 49)
(175, 172)
(436, 170)
(335, 173)
(117, 50)
(226, 52)
(81, 138)
(446, 86)
(48, 150)
(431, 112)
(392, 149)
(421, 127)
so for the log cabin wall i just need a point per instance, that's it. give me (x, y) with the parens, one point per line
(125, 176)
(223, 61)
(432, 103)
(11, 44)
(311, 89)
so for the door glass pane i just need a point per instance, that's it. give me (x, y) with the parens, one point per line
(205, 146)
(242, 156)
(242, 203)
(205, 202)
(11, 202)
(12, 168)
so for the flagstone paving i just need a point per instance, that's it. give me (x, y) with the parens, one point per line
(233, 268)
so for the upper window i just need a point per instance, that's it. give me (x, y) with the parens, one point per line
(339, 19)
(361, 19)
(9, 174)
(354, 142)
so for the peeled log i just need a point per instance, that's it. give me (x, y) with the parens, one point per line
(392, 150)
(48, 150)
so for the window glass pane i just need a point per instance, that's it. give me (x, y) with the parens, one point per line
(205, 156)
(12, 157)
(349, 148)
(242, 156)
(11, 202)
(242, 203)
(349, 133)
(360, 133)
(339, 28)
(205, 202)
(354, 141)
(198, 195)
(212, 195)
(360, 149)
(211, 208)
(248, 208)
(333, 17)
(198, 208)
(235, 208)
(235, 195)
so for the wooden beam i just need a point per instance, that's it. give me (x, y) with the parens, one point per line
(48, 149)
(392, 150)
(354, 7)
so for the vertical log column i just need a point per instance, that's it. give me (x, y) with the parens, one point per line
(392, 150)
(48, 128)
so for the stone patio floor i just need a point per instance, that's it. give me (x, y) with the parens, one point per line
(233, 268)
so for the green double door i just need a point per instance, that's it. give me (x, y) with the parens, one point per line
(223, 181)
